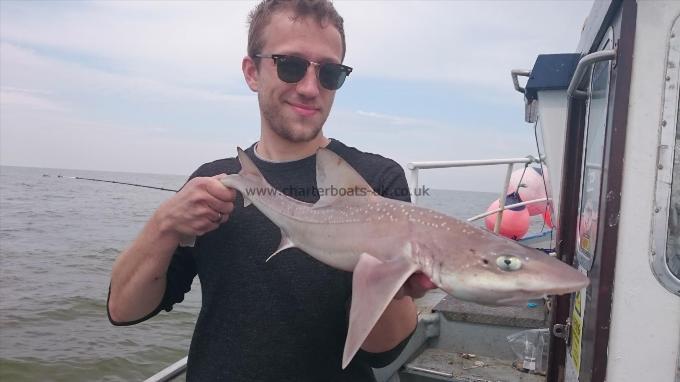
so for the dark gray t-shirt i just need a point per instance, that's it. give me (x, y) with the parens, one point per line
(284, 320)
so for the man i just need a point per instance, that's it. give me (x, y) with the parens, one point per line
(284, 320)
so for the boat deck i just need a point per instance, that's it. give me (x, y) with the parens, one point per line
(439, 364)
(449, 346)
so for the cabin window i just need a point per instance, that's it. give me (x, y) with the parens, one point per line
(673, 245)
(665, 251)
(591, 179)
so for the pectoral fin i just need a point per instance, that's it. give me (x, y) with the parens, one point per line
(285, 244)
(374, 285)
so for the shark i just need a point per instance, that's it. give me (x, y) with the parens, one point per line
(385, 241)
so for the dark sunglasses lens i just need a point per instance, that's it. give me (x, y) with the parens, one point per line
(332, 76)
(291, 69)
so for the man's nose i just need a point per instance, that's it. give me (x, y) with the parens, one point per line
(309, 84)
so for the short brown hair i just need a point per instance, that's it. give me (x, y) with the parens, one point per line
(322, 11)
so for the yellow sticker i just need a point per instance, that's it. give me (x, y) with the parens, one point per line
(576, 341)
(577, 303)
(585, 243)
(577, 330)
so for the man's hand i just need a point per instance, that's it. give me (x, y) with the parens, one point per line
(199, 207)
(416, 286)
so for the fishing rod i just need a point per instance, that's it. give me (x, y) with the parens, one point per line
(117, 182)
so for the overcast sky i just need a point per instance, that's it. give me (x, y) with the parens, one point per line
(157, 87)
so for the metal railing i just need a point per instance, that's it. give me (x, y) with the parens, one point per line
(514, 73)
(415, 167)
(169, 373)
(582, 67)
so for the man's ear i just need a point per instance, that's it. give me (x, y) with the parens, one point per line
(250, 73)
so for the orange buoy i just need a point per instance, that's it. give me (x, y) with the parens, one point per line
(515, 221)
(547, 218)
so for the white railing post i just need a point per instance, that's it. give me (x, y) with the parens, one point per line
(414, 185)
(501, 199)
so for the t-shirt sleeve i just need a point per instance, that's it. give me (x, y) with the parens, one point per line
(379, 360)
(179, 277)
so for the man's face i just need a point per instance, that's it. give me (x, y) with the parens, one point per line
(295, 112)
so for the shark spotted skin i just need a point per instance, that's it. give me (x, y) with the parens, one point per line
(384, 241)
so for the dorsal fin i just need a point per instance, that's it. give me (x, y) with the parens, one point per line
(335, 178)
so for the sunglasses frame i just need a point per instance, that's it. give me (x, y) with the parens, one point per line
(276, 57)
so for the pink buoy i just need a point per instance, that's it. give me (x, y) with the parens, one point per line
(515, 221)
(531, 187)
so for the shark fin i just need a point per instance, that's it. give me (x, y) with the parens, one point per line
(285, 244)
(374, 285)
(248, 168)
(332, 172)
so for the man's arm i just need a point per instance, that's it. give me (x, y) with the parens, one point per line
(400, 317)
(138, 278)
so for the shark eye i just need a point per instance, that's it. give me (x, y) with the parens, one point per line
(509, 263)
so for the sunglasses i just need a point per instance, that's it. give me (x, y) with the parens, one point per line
(292, 69)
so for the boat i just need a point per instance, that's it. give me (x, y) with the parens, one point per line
(606, 126)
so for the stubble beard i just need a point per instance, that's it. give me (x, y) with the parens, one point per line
(277, 122)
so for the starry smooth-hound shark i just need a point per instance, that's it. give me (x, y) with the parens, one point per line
(384, 241)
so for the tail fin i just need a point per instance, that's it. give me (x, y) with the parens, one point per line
(248, 168)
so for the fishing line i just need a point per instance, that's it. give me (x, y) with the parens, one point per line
(519, 183)
(117, 182)
(545, 185)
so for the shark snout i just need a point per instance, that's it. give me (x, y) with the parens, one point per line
(553, 278)
(572, 282)
(508, 282)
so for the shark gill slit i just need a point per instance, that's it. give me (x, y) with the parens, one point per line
(433, 265)
(425, 259)
(438, 276)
